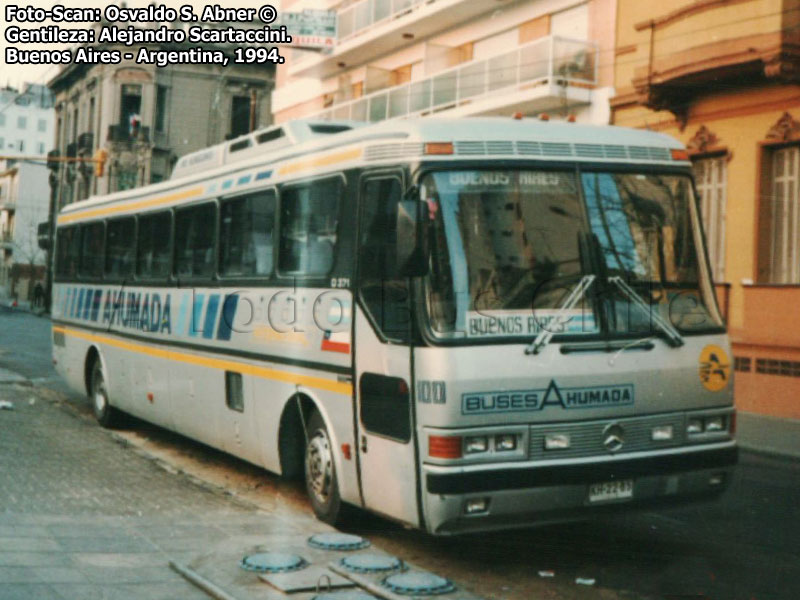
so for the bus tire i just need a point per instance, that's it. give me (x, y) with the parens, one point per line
(320, 473)
(106, 415)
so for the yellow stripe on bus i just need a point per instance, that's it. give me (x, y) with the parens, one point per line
(99, 212)
(216, 363)
(321, 161)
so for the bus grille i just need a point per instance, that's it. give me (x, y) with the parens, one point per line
(586, 439)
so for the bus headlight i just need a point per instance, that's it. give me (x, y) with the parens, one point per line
(476, 444)
(662, 433)
(694, 426)
(556, 441)
(715, 423)
(505, 442)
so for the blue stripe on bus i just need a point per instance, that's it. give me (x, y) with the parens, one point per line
(87, 304)
(182, 311)
(211, 316)
(98, 296)
(197, 314)
(80, 304)
(244, 179)
(263, 175)
(226, 320)
(74, 302)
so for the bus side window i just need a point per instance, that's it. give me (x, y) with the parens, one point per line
(194, 241)
(120, 248)
(384, 293)
(247, 226)
(68, 252)
(91, 264)
(153, 246)
(309, 220)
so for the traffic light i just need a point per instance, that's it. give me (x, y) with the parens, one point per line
(100, 158)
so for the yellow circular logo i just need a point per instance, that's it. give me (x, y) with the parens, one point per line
(715, 368)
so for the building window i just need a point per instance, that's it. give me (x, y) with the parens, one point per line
(784, 229)
(711, 177)
(22, 145)
(40, 148)
(90, 124)
(240, 115)
(41, 125)
(22, 122)
(130, 105)
(2, 143)
(161, 108)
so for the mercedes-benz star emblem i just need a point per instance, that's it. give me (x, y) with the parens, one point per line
(613, 437)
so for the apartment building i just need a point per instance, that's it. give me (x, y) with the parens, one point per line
(24, 200)
(143, 118)
(722, 75)
(26, 121)
(401, 58)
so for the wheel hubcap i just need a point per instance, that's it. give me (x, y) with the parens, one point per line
(319, 466)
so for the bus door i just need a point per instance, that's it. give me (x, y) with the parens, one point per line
(383, 358)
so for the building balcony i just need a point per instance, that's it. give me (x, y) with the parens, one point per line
(122, 134)
(358, 17)
(371, 28)
(547, 74)
(715, 45)
(85, 143)
(53, 160)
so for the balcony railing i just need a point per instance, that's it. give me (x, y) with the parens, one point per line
(360, 16)
(123, 134)
(547, 60)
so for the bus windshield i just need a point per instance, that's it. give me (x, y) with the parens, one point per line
(508, 246)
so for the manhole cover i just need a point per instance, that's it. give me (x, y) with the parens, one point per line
(273, 562)
(425, 584)
(371, 563)
(337, 541)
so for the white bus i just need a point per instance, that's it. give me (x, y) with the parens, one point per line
(459, 324)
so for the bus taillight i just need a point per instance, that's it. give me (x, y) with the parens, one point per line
(444, 446)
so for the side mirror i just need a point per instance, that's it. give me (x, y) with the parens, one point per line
(412, 238)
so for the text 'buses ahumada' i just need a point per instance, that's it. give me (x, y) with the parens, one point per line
(459, 324)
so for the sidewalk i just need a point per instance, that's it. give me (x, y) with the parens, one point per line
(768, 435)
(21, 305)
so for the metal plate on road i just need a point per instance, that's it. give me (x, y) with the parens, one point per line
(611, 490)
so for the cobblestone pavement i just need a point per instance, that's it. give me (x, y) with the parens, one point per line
(84, 517)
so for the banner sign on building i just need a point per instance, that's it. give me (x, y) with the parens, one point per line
(311, 28)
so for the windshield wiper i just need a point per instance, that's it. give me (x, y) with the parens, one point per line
(673, 336)
(547, 333)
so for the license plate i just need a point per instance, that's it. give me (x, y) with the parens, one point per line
(611, 490)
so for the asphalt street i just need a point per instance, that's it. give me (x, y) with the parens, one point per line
(743, 546)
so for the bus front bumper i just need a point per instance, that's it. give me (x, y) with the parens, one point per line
(524, 495)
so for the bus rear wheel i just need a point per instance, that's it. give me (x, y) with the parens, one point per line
(106, 415)
(320, 473)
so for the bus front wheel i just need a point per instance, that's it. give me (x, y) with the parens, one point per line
(106, 415)
(320, 473)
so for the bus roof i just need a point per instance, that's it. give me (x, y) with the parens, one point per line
(404, 140)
